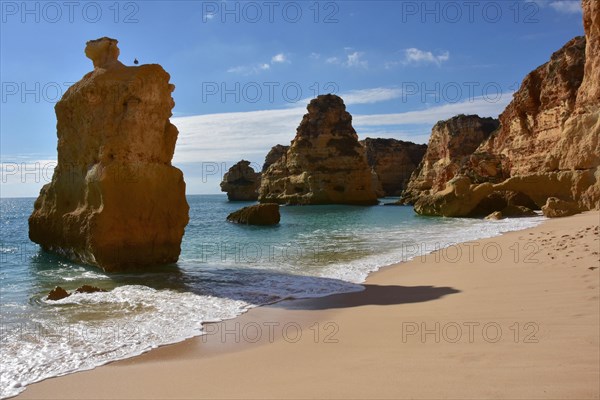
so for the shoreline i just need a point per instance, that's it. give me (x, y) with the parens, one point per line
(415, 320)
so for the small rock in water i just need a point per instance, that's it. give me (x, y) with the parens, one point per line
(496, 215)
(260, 214)
(88, 289)
(57, 293)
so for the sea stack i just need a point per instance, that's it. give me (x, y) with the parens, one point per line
(325, 163)
(115, 200)
(241, 182)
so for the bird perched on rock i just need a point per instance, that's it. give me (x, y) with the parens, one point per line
(136, 62)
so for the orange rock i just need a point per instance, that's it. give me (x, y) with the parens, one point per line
(393, 161)
(325, 163)
(115, 200)
(450, 145)
(548, 144)
(241, 182)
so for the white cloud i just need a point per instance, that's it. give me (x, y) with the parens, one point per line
(315, 56)
(332, 60)
(567, 6)
(249, 69)
(369, 96)
(279, 58)
(479, 105)
(561, 6)
(257, 68)
(416, 56)
(355, 60)
(230, 136)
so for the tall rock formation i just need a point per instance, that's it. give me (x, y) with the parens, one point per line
(548, 144)
(115, 200)
(241, 182)
(393, 161)
(325, 163)
(450, 145)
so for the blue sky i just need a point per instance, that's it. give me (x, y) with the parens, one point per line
(244, 71)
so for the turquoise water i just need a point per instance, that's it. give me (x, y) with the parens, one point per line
(224, 269)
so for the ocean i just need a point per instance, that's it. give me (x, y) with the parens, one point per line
(224, 270)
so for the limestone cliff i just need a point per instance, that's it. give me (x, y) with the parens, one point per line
(393, 161)
(450, 145)
(241, 182)
(115, 200)
(325, 163)
(531, 138)
(588, 96)
(548, 144)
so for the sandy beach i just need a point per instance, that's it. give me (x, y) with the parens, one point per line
(515, 316)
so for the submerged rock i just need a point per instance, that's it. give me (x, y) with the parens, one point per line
(88, 289)
(496, 215)
(115, 200)
(241, 182)
(259, 214)
(325, 163)
(57, 293)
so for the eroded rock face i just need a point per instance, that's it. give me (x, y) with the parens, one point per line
(461, 198)
(325, 163)
(258, 214)
(556, 208)
(115, 200)
(451, 144)
(531, 139)
(393, 161)
(275, 154)
(548, 144)
(588, 96)
(241, 182)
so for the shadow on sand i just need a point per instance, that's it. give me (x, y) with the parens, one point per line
(373, 295)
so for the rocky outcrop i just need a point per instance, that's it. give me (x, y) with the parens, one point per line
(259, 214)
(556, 208)
(241, 182)
(275, 154)
(393, 161)
(115, 200)
(325, 163)
(548, 144)
(451, 144)
(57, 293)
(461, 198)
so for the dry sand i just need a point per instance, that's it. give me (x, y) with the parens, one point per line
(524, 324)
